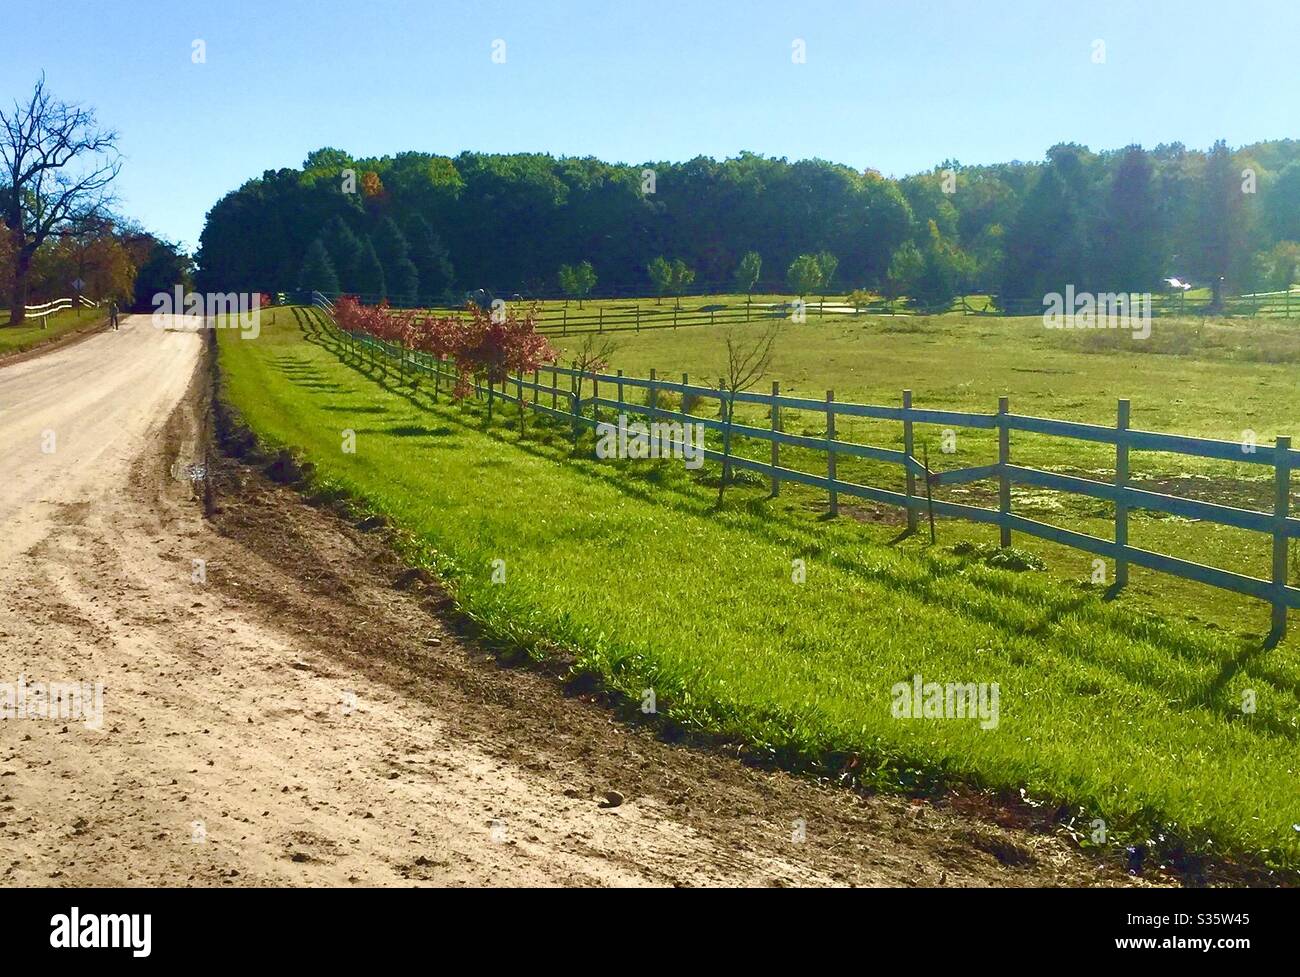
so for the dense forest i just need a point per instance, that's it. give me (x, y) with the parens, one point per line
(419, 227)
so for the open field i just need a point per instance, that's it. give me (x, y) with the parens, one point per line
(15, 339)
(1231, 376)
(1107, 711)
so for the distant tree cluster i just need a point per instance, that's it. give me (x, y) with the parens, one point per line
(416, 227)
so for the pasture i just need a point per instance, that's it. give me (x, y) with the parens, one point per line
(1230, 377)
(1130, 711)
(15, 339)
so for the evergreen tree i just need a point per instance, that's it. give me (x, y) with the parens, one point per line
(345, 251)
(394, 253)
(1221, 255)
(318, 271)
(430, 259)
(370, 274)
(1128, 252)
(1044, 245)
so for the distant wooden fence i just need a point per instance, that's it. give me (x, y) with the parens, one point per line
(655, 314)
(579, 321)
(1268, 304)
(58, 305)
(559, 386)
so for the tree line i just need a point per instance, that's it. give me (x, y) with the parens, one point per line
(418, 228)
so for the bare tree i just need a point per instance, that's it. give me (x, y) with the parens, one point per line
(591, 357)
(57, 165)
(748, 359)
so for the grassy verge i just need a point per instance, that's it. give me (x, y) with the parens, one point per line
(1120, 716)
(16, 339)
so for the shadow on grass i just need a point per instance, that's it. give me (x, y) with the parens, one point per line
(415, 431)
(343, 409)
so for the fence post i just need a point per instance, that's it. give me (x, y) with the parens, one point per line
(909, 446)
(1281, 505)
(830, 451)
(776, 445)
(523, 399)
(1121, 506)
(638, 318)
(573, 409)
(654, 393)
(595, 396)
(437, 377)
(1004, 479)
(536, 377)
(620, 391)
(564, 326)
(674, 317)
(555, 383)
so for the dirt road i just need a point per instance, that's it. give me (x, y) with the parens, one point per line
(283, 714)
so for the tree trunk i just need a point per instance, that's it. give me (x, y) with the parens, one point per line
(18, 295)
(728, 406)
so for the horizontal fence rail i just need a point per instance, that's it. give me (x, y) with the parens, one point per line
(554, 391)
(58, 305)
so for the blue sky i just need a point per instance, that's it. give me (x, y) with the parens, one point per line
(889, 84)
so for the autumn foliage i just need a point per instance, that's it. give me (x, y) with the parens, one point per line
(485, 346)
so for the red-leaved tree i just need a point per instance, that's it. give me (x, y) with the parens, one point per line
(486, 347)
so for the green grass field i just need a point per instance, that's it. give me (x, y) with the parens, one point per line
(15, 339)
(1211, 378)
(1121, 714)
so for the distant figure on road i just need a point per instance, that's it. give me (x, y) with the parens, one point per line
(112, 313)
